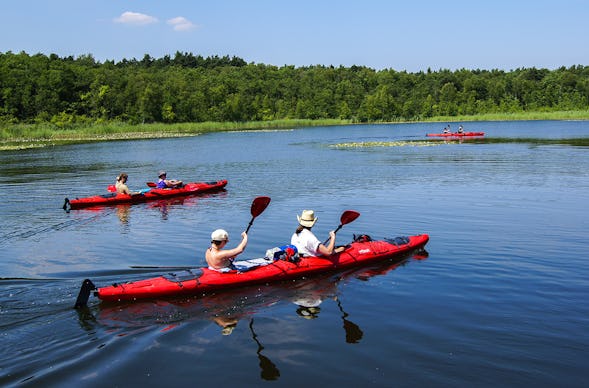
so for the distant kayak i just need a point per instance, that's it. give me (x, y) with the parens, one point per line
(456, 134)
(280, 267)
(193, 188)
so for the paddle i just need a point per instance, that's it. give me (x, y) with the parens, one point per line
(259, 204)
(347, 217)
(150, 184)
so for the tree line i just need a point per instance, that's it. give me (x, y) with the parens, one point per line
(71, 91)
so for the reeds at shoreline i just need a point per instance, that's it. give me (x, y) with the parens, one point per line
(25, 136)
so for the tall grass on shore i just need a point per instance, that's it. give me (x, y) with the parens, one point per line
(23, 136)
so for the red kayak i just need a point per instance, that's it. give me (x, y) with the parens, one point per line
(362, 251)
(456, 134)
(193, 188)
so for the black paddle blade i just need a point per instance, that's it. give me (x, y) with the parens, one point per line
(349, 216)
(259, 205)
(84, 294)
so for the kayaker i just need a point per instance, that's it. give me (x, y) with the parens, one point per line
(460, 129)
(121, 184)
(306, 242)
(164, 183)
(220, 259)
(446, 129)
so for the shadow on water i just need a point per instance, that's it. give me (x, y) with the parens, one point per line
(227, 309)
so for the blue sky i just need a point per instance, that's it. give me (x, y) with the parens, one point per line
(407, 35)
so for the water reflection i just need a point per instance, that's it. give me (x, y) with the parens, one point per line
(227, 309)
(269, 371)
(123, 212)
(164, 206)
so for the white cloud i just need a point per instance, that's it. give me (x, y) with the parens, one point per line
(135, 18)
(181, 24)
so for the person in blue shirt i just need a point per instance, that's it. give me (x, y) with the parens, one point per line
(164, 183)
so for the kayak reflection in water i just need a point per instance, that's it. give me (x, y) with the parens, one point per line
(164, 183)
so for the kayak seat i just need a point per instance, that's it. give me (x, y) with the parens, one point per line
(403, 240)
(109, 195)
(189, 274)
(362, 238)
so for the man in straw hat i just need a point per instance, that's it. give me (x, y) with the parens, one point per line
(306, 242)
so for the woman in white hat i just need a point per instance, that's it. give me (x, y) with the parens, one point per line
(306, 242)
(218, 258)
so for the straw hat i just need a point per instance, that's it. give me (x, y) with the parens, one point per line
(307, 218)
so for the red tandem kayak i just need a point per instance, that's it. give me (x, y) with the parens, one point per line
(456, 134)
(193, 188)
(360, 252)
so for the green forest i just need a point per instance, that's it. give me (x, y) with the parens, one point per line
(186, 88)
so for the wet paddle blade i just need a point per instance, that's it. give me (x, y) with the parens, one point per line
(150, 184)
(349, 216)
(259, 205)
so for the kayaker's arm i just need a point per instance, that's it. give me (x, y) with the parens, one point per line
(173, 183)
(327, 250)
(222, 258)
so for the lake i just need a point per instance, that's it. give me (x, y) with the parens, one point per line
(502, 298)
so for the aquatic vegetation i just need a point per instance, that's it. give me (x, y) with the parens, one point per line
(398, 143)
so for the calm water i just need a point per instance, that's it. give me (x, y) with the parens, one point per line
(502, 298)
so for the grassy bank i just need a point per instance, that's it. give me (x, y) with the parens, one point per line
(21, 136)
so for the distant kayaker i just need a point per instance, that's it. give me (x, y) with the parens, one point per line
(121, 184)
(446, 129)
(218, 258)
(164, 183)
(460, 129)
(306, 242)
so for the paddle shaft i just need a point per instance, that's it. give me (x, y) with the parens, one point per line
(335, 231)
(346, 217)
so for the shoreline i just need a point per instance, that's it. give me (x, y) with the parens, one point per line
(31, 136)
